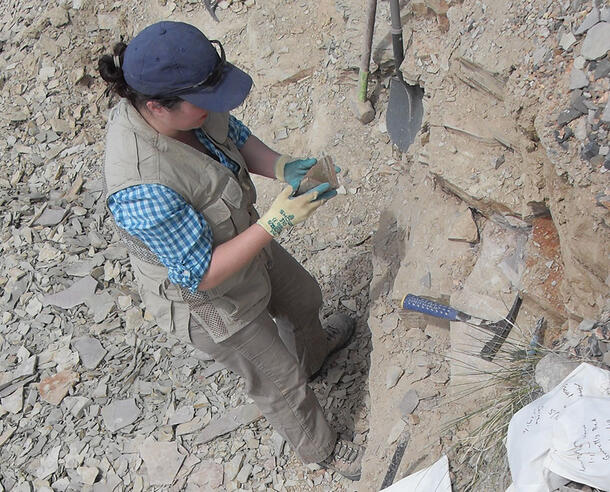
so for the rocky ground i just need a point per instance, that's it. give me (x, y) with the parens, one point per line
(514, 150)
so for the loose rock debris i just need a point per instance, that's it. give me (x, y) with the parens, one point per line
(56, 233)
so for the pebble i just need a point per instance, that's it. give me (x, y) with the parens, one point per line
(552, 369)
(389, 323)
(578, 79)
(350, 304)
(567, 40)
(396, 432)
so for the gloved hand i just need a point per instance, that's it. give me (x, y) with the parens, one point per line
(292, 171)
(286, 212)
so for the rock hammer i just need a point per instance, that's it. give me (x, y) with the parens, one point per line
(500, 329)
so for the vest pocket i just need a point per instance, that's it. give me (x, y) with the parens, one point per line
(218, 216)
(232, 194)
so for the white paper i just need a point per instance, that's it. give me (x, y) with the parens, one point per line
(566, 432)
(435, 478)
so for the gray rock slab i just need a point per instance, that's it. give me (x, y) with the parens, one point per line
(244, 473)
(212, 369)
(182, 414)
(578, 79)
(90, 350)
(48, 463)
(162, 461)
(606, 113)
(409, 403)
(602, 69)
(539, 55)
(74, 295)
(88, 474)
(83, 268)
(233, 467)
(100, 306)
(567, 115)
(13, 403)
(27, 367)
(50, 217)
(604, 14)
(278, 442)
(597, 41)
(586, 325)
(464, 228)
(588, 22)
(120, 413)
(109, 483)
(76, 405)
(552, 369)
(97, 240)
(115, 252)
(191, 426)
(567, 40)
(233, 419)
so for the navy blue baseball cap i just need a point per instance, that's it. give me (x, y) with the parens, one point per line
(176, 59)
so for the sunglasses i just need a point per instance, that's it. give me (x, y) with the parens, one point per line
(211, 80)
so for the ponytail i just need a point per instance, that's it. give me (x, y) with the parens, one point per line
(110, 69)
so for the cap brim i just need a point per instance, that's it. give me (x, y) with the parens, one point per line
(227, 95)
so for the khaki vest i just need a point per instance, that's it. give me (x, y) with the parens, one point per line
(137, 154)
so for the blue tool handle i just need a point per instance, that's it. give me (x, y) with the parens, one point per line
(425, 306)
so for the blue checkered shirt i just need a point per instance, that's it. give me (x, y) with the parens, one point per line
(170, 227)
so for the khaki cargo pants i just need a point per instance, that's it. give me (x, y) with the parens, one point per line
(277, 352)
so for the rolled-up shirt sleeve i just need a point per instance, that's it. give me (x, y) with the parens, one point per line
(238, 132)
(169, 226)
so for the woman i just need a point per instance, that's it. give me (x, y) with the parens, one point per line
(177, 184)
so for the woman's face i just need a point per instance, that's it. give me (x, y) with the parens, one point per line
(185, 116)
(169, 121)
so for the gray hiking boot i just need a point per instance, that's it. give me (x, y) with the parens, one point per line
(345, 459)
(339, 329)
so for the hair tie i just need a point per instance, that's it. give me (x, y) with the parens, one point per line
(117, 61)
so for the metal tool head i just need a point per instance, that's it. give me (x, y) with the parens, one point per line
(405, 112)
(501, 329)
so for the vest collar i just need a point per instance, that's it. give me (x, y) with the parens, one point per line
(215, 126)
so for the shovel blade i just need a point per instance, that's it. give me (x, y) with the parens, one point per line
(405, 112)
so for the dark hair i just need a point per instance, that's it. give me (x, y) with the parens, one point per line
(113, 75)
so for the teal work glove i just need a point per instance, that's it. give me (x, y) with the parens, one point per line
(292, 171)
